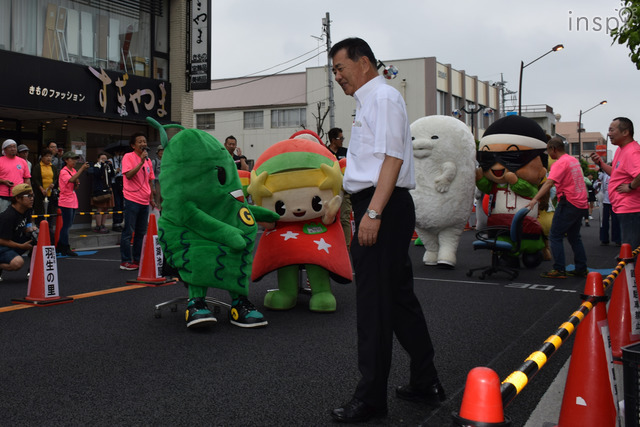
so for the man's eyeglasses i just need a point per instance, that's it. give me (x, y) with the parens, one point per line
(340, 138)
(28, 195)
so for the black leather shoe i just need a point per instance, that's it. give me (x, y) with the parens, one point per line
(433, 395)
(357, 411)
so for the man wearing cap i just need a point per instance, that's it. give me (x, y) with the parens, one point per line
(379, 175)
(16, 229)
(14, 170)
(23, 152)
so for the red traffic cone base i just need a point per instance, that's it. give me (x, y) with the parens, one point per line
(482, 401)
(43, 288)
(149, 272)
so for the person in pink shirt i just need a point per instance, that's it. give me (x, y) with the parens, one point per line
(566, 174)
(14, 170)
(68, 181)
(625, 179)
(137, 171)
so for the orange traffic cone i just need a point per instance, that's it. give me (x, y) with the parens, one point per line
(43, 280)
(588, 395)
(58, 226)
(482, 401)
(150, 270)
(624, 309)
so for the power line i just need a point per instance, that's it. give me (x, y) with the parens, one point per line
(282, 63)
(270, 75)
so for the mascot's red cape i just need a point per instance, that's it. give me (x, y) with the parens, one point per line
(290, 164)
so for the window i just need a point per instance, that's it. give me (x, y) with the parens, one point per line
(575, 148)
(114, 35)
(206, 121)
(588, 146)
(254, 119)
(290, 118)
(441, 103)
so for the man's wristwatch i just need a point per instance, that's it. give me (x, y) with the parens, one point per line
(373, 214)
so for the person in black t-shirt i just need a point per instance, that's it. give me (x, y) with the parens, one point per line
(335, 143)
(16, 230)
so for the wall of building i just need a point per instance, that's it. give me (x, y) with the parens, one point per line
(420, 81)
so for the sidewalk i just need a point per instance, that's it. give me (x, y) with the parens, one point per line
(85, 238)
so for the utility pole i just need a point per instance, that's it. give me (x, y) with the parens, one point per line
(326, 27)
(502, 85)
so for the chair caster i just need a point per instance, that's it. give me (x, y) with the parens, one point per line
(157, 314)
(469, 273)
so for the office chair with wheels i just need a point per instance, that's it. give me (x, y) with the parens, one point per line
(488, 238)
(214, 304)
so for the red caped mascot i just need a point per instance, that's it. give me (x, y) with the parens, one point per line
(301, 181)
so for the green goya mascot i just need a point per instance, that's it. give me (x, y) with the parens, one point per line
(207, 229)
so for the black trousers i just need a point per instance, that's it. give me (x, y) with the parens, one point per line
(386, 302)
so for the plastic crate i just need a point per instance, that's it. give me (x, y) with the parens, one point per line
(631, 376)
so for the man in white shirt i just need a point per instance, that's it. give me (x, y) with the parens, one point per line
(378, 176)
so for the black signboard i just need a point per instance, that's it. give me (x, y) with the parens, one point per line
(34, 83)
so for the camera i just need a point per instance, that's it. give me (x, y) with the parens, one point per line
(33, 235)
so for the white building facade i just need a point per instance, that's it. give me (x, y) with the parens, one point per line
(260, 111)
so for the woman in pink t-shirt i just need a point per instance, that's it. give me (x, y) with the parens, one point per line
(68, 201)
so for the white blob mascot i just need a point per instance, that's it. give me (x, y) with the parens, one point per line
(444, 152)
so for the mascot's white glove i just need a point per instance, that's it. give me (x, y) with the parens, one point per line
(332, 209)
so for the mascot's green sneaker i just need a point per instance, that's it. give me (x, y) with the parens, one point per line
(245, 315)
(198, 314)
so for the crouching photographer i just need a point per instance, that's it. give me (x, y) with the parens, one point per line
(17, 235)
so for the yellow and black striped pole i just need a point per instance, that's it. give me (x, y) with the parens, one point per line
(518, 379)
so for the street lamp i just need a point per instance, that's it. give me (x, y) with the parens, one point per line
(473, 110)
(580, 129)
(522, 67)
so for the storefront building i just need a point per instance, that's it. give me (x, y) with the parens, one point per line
(87, 73)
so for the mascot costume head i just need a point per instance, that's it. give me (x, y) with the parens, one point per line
(444, 156)
(512, 163)
(300, 180)
(207, 230)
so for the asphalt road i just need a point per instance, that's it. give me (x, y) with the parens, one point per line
(106, 360)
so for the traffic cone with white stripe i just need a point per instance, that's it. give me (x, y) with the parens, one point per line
(624, 309)
(588, 399)
(150, 270)
(43, 280)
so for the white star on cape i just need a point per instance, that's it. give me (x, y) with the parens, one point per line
(322, 245)
(290, 235)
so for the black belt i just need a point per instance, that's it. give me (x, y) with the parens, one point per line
(367, 193)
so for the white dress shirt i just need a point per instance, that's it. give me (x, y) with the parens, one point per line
(380, 127)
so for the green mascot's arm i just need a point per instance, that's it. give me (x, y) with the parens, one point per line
(263, 215)
(212, 229)
(524, 188)
(484, 185)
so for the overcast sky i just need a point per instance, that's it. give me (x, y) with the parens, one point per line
(484, 38)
